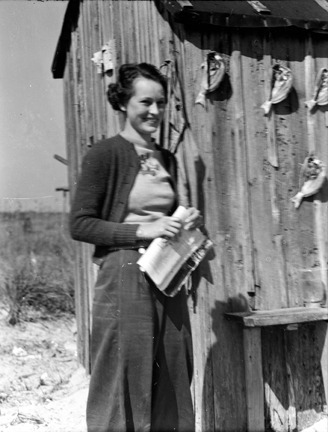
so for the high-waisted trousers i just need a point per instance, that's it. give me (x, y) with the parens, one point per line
(141, 353)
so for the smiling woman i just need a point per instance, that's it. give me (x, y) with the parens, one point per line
(141, 352)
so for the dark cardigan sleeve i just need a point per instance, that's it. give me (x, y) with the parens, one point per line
(86, 222)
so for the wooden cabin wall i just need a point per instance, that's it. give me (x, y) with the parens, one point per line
(261, 241)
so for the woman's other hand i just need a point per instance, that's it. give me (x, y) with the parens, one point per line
(166, 226)
(194, 219)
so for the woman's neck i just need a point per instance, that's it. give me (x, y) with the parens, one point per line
(136, 138)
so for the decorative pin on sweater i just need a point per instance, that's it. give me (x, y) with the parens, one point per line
(313, 175)
(281, 84)
(213, 73)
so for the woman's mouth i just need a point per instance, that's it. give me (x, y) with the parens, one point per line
(152, 120)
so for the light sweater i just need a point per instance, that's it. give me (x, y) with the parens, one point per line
(151, 196)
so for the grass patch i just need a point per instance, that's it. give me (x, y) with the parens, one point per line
(36, 265)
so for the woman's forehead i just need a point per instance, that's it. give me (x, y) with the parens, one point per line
(147, 88)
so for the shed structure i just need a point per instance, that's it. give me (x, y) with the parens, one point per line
(260, 355)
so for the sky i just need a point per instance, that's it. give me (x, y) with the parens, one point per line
(32, 124)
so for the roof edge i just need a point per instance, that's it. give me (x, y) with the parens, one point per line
(64, 42)
(192, 16)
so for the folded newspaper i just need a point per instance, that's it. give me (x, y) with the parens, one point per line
(169, 262)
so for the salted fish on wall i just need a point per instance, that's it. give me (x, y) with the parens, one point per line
(213, 73)
(313, 175)
(320, 94)
(281, 84)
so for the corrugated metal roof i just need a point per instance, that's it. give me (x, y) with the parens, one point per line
(307, 14)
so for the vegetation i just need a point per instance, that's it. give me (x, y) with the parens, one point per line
(36, 265)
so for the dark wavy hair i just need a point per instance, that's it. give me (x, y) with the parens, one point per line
(118, 94)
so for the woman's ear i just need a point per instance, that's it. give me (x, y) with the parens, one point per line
(122, 108)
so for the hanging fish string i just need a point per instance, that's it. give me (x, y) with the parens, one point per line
(312, 177)
(213, 72)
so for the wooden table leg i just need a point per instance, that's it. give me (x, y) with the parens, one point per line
(254, 379)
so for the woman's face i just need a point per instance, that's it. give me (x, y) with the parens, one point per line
(145, 108)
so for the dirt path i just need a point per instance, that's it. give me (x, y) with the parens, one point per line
(42, 387)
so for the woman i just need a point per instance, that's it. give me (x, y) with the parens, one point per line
(141, 351)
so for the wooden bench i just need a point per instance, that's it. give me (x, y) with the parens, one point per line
(252, 323)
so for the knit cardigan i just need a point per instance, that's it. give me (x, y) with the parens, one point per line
(99, 206)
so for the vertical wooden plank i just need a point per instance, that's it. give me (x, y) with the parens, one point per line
(143, 33)
(271, 135)
(106, 13)
(292, 423)
(118, 24)
(121, 36)
(309, 79)
(246, 283)
(152, 37)
(273, 159)
(100, 113)
(203, 366)
(88, 71)
(254, 380)
(130, 39)
(72, 152)
(268, 253)
(72, 156)
(155, 18)
(91, 38)
(82, 77)
(83, 257)
(102, 88)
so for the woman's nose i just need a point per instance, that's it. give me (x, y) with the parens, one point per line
(153, 109)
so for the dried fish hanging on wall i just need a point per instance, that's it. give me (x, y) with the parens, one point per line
(320, 93)
(313, 175)
(281, 84)
(213, 73)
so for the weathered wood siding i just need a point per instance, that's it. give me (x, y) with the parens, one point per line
(261, 241)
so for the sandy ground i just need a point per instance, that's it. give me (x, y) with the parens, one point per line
(42, 386)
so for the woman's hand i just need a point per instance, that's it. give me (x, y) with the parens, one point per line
(194, 219)
(166, 226)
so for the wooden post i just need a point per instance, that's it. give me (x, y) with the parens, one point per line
(65, 191)
(254, 380)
